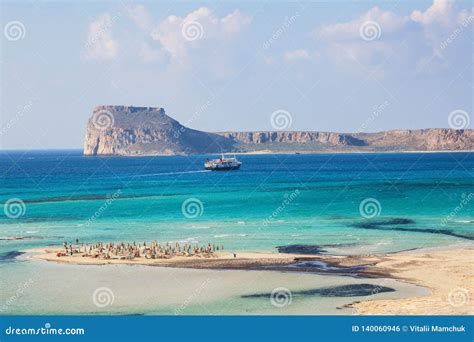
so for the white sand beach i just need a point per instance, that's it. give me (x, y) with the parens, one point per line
(448, 274)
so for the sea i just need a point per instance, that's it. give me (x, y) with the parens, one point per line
(340, 204)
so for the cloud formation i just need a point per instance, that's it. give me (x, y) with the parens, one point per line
(417, 39)
(179, 34)
(440, 21)
(388, 21)
(100, 43)
(172, 38)
(377, 35)
(441, 11)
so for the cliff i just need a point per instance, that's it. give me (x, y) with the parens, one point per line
(293, 137)
(127, 130)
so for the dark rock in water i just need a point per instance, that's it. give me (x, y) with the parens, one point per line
(300, 249)
(30, 237)
(323, 266)
(339, 245)
(376, 223)
(92, 197)
(352, 290)
(311, 249)
(310, 265)
(8, 256)
(388, 225)
(397, 221)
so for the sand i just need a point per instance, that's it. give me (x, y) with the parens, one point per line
(225, 260)
(449, 274)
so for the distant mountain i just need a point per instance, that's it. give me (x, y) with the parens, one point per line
(127, 130)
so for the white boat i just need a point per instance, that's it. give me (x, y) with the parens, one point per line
(224, 163)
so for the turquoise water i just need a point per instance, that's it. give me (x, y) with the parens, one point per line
(273, 200)
(346, 204)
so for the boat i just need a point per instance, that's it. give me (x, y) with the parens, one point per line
(224, 163)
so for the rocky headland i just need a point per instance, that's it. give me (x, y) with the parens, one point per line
(129, 130)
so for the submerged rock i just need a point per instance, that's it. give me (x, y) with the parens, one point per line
(9, 256)
(392, 224)
(301, 249)
(352, 290)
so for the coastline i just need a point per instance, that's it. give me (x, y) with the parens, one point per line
(351, 152)
(447, 272)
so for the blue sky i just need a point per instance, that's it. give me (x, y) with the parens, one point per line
(330, 66)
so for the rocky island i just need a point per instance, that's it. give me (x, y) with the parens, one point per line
(129, 130)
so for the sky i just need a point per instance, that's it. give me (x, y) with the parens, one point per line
(343, 66)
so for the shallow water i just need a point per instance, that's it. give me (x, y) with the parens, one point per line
(50, 288)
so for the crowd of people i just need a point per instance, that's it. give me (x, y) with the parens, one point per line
(129, 251)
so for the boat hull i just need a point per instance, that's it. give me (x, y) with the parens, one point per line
(222, 168)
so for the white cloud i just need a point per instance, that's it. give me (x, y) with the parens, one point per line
(364, 40)
(178, 34)
(173, 39)
(140, 16)
(100, 44)
(412, 38)
(440, 21)
(441, 11)
(300, 54)
(388, 21)
(234, 22)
